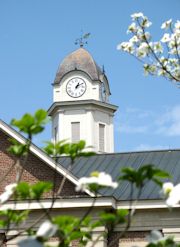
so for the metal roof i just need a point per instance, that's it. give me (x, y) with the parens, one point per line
(167, 160)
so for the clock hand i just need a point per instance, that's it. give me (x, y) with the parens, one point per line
(77, 86)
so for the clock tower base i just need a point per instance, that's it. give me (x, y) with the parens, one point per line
(88, 120)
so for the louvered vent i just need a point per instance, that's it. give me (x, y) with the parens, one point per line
(75, 131)
(101, 137)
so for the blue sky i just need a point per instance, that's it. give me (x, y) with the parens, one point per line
(37, 35)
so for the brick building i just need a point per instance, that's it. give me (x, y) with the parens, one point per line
(81, 110)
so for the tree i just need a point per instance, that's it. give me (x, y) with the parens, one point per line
(160, 58)
(67, 228)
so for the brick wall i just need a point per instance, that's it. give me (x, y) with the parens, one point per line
(34, 170)
(135, 238)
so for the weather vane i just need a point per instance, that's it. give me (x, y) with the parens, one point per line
(82, 40)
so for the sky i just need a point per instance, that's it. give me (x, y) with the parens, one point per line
(35, 36)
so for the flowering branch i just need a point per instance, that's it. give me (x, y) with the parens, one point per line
(160, 58)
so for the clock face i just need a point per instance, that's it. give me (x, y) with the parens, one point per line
(76, 87)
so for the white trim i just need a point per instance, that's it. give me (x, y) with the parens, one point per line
(40, 154)
(82, 202)
(145, 204)
(61, 203)
(170, 230)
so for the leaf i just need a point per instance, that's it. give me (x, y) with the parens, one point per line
(31, 124)
(145, 173)
(81, 145)
(23, 191)
(40, 188)
(41, 115)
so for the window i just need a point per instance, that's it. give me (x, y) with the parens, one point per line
(75, 131)
(101, 137)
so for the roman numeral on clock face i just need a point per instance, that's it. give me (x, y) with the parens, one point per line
(76, 87)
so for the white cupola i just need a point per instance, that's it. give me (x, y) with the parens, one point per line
(81, 109)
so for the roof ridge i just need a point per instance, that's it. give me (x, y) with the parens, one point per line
(10, 131)
(134, 152)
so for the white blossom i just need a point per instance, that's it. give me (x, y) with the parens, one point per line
(99, 178)
(173, 51)
(143, 36)
(137, 15)
(46, 230)
(177, 25)
(173, 61)
(161, 72)
(132, 28)
(142, 50)
(166, 38)
(149, 69)
(147, 35)
(167, 188)
(146, 23)
(172, 193)
(29, 242)
(155, 236)
(126, 46)
(163, 60)
(174, 196)
(134, 39)
(9, 190)
(166, 24)
(157, 47)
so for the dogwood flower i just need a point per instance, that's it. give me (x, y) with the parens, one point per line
(46, 230)
(126, 46)
(177, 25)
(146, 23)
(166, 38)
(134, 39)
(167, 188)
(157, 47)
(174, 196)
(137, 15)
(132, 28)
(9, 190)
(100, 178)
(149, 69)
(166, 24)
(29, 242)
(142, 50)
(172, 193)
(155, 236)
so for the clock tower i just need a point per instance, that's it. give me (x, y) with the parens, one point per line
(81, 108)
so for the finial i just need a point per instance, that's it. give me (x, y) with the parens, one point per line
(103, 69)
(82, 40)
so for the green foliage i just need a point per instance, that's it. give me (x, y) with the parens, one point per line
(113, 218)
(12, 216)
(143, 174)
(31, 124)
(40, 188)
(34, 192)
(56, 149)
(165, 242)
(73, 150)
(17, 148)
(71, 228)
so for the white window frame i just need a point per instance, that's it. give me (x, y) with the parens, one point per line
(102, 150)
